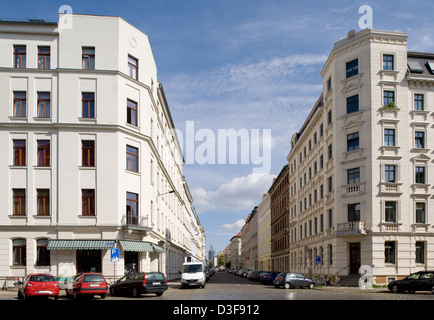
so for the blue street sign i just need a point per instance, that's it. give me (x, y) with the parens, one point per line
(318, 259)
(114, 255)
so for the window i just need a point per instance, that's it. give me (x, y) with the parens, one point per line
(20, 104)
(330, 254)
(44, 105)
(43, 57)
(132, 208)
(43, 202)
(19, 152)
(418, 102)
(88, 153)
(419, 140)
(19, 202)
(419, 175)
(19, 252)
(329, 84)
(388, 97)
(43, 153)
(389, 252)
(88, 104)
(389, 137)
(42, 253)
(88, 58)
(132, 67)
(420, 212)
(389, 171)
(330, 151)
(353, 141)
(353, 104)
(354, 212)
(387, 62)
(132, 158)
(353, 176)
(330, 214)
(132, 112)
(88, 202)
(330, 184)
(352, 68)
(329, 118)
(390, 211)
(420, 252)
(19, 56)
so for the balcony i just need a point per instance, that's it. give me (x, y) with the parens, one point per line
(351, 228)
(354, 189)
(135, 223)
(390, 188)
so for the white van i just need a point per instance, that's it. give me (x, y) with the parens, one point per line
(193, 274)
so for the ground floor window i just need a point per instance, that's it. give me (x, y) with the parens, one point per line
(19, 252)
(389, 252)
(420, 252)
(43, 255)
(89, 261)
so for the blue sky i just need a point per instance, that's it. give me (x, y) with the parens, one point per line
(243, 64)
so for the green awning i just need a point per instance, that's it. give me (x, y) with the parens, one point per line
(158, 248)
(139, 246)
(60, 244)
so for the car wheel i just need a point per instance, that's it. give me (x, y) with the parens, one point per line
(135, 293)
(287, 285)
(432, 289)
(311, 285)
(102, 296)
(395, 288)
(159, 294)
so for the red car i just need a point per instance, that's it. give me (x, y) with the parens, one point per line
(88, 284)
(37, 285)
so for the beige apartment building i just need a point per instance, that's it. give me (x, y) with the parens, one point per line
(361, 167)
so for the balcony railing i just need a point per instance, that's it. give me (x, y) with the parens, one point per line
(135, 222)
(351, 228)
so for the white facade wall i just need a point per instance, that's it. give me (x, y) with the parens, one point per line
(166, 219)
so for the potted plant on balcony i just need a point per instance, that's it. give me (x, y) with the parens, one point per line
(390, 106)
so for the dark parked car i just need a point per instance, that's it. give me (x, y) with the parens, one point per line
(279, 280)
(419, 281)
(137, 283)
(295, 280)
(87, 284)
(268, 277)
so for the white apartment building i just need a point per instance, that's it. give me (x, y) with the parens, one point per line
(361, 167)
(89, 159)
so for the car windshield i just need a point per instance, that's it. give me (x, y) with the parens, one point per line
(42, 278)
(191, 268)
(93, 278)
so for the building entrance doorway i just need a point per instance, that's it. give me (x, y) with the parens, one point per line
(354, 257)
(131, 261)
(89, 261)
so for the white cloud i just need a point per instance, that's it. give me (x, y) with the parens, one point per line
(233, 227)
(241, 193)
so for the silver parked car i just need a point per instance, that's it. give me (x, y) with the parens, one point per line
(297, 280)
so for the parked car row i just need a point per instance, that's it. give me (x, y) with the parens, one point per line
(265, 277)
(93, 284)
(278, 279)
